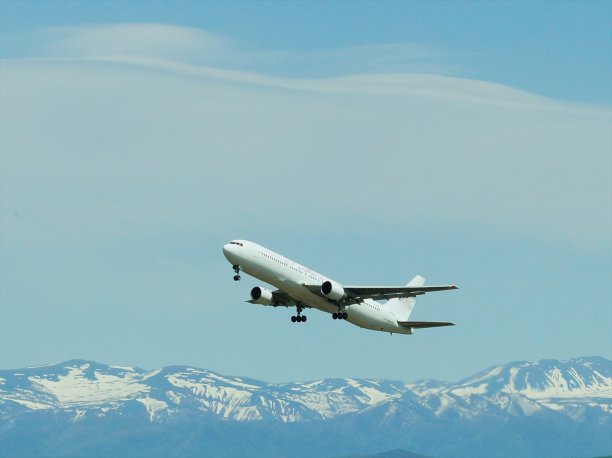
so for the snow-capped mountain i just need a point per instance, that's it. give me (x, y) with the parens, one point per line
(520, 388)
(524, 388)
(557, 399)
(88, 388)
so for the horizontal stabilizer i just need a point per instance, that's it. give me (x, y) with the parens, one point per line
(424, 324)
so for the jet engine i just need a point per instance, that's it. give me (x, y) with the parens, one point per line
(262, 296)
(332, 290)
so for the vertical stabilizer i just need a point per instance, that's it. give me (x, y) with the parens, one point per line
(402, 307)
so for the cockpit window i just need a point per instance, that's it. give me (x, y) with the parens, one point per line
(236, 243)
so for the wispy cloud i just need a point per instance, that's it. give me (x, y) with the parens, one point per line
(146, 40)
(380, 58)
(480, 152)
(475, 153)
(196, 46)
(126, 165)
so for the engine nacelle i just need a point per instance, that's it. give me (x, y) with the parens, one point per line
(262, 296)
(332, 290)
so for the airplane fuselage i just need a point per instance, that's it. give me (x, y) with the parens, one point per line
(292, 278)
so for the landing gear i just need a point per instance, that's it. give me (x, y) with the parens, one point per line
(299, 318)
(237, 270)
(340, 316)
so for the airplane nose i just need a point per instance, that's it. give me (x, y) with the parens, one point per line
(228, 251)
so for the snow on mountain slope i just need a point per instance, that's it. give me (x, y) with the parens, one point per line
(576, 389)
(71, 384)
(99, 389)
(524, 388)
(76, 387)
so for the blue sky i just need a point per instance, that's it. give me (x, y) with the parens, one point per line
(467, 142)
(559, 49)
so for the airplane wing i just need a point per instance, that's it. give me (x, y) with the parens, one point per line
(355, 294)
(389, 292)
(423, 324)
(280, 298)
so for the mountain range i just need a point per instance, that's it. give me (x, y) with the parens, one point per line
(520, 409)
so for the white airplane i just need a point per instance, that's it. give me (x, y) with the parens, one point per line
(303, 288)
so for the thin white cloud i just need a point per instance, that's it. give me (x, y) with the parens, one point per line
(129, 108)
(160, 41)
(196, 46)
(85, 142)
(379, 58)
(123, 170)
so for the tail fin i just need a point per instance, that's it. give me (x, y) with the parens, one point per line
(402, 307)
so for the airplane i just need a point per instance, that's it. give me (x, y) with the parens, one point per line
(302, 288)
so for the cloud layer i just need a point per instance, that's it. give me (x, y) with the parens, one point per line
(125, 168)
(127, 136)
(201, 47)
(145, 40)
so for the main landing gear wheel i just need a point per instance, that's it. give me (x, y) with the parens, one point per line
(299, 318)
(237, 270)
(340, 316)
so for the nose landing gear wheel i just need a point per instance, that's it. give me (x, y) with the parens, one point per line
(237, 270)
